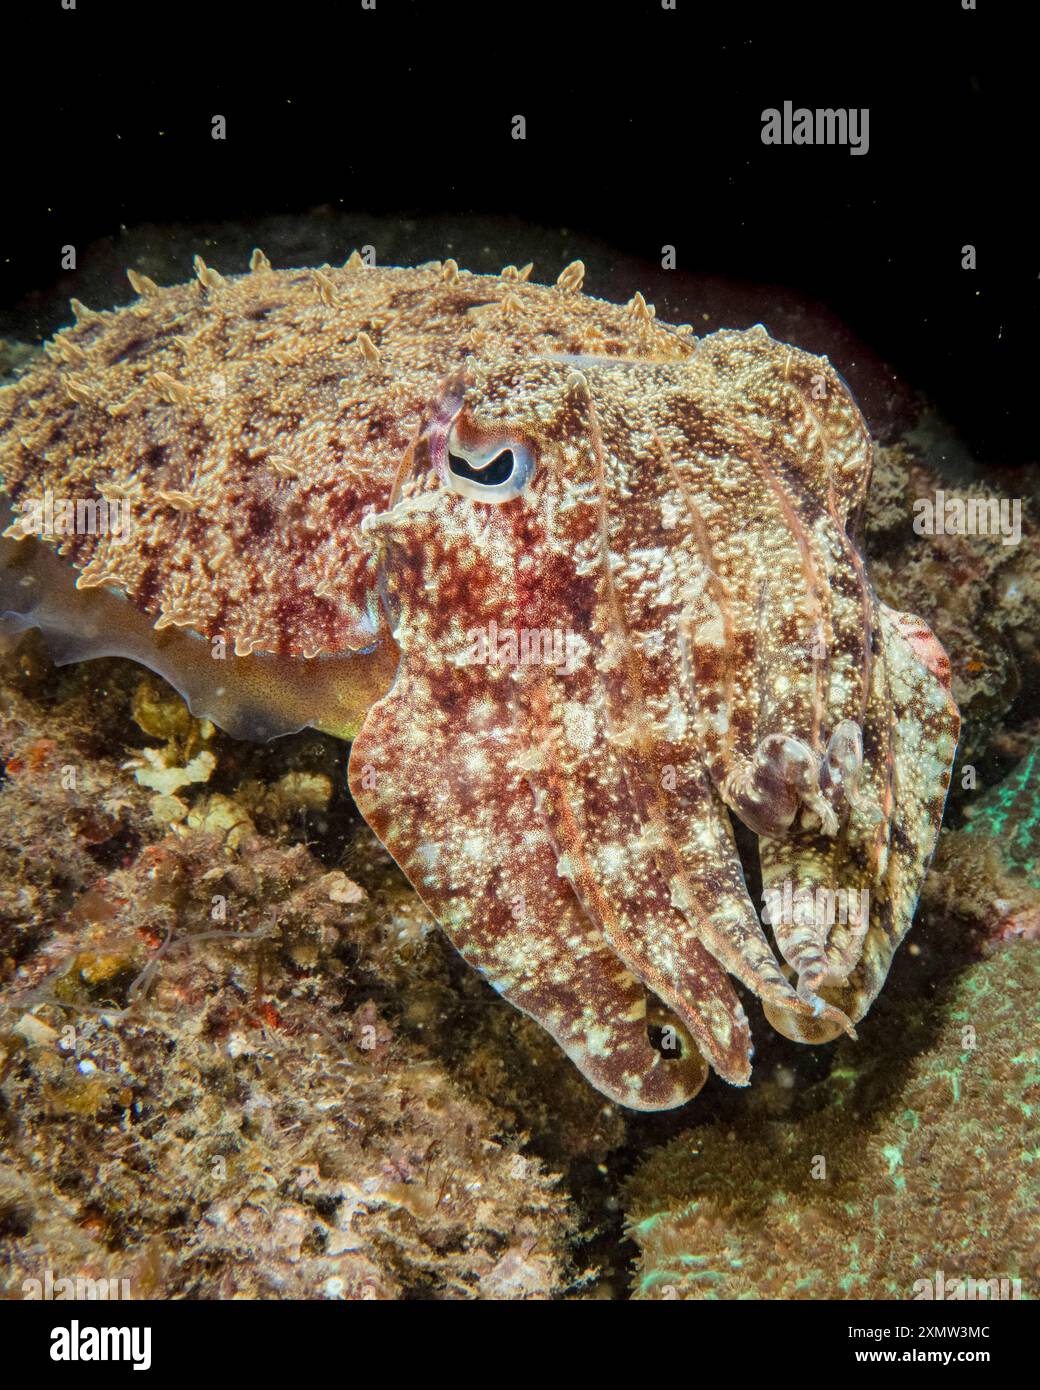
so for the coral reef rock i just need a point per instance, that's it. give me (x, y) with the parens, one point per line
(915, 1155)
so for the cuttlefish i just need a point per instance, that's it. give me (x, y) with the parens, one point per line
(580, 588)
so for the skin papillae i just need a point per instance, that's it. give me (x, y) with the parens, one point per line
(561, 681)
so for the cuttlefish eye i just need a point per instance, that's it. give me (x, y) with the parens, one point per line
(491, 471)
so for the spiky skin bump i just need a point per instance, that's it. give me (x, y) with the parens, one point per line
(252, 421)
(684, 528)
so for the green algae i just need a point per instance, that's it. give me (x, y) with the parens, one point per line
(1010, 813)
(930, 1158)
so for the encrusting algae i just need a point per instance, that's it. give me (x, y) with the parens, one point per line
(920, 1156)
(214, 1070)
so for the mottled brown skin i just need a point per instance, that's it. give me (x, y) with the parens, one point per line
(677, 512)
(253, 421)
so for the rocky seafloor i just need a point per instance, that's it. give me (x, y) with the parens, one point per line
(238, 1059)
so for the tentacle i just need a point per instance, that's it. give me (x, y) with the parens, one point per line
(821, 889)
(925, 727)
(759, 719)
(604, 813)
(711, 871)
(649, 859)
(804, 625)
(911, 739)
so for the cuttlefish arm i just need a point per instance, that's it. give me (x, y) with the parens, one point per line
(440, 772)
(840, 748)
(866, 879)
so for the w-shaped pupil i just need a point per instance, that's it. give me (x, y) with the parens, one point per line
(497, 471)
